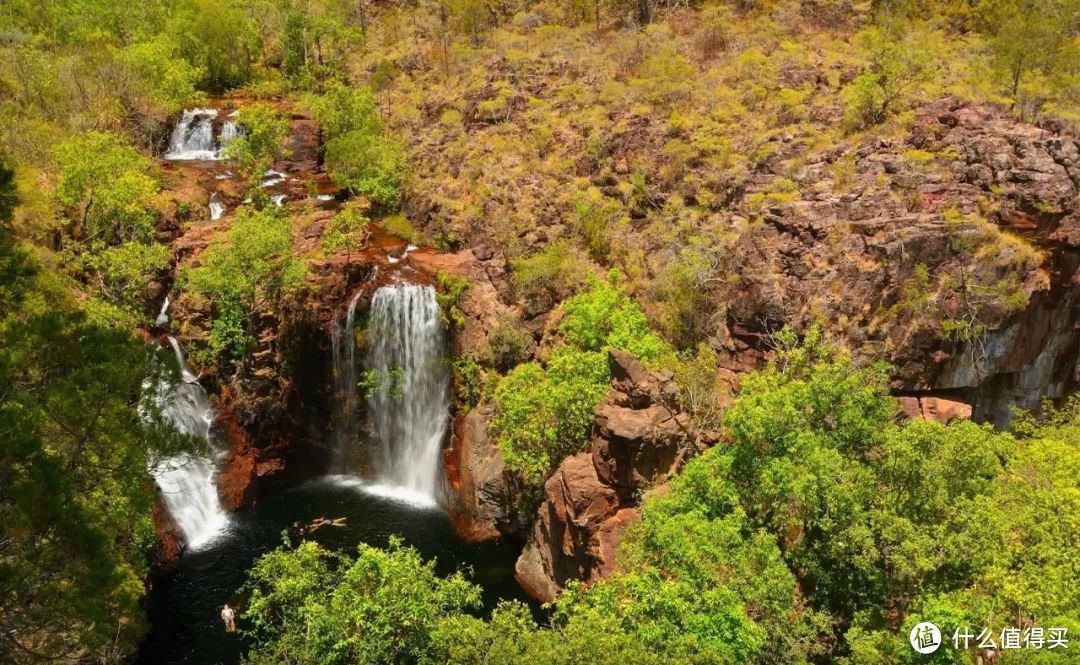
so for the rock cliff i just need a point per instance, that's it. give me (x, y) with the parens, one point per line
(590, 500)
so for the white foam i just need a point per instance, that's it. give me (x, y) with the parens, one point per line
(398, 494)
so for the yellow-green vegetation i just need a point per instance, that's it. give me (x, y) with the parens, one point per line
(652, 148)
(251, 269)
(823, 531)
(653, 137)
(450, 290)
(264, 132)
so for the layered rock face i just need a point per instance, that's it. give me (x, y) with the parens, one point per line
(592, 497)
(869, 218)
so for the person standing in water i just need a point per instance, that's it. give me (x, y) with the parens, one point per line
(228, 615)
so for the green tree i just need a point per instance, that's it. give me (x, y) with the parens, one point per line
(264, 132)
(544, 413)
(127, 269)
(251, 269)
(1031, 45)
(314, 606)
(605, 317)
(75, 497)
(220, 38)
(107, 187)
(369, 165)
(347, 230)
(900, 58)
(359, 155)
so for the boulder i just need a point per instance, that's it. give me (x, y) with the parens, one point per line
(486, 496)
(937, 409)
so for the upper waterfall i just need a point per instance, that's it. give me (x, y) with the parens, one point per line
(410, 401)
(193, 137)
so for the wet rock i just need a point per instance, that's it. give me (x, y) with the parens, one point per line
(166, 554)
(486, 506)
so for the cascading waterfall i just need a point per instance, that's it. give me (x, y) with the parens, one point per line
(217, 208)
(163, 315)
(343, 341)
(193, 136)
(410, 405)
(229, 131)
(187, 481)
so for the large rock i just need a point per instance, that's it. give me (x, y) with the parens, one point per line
(486, 496)
(639, 439)
(848, 248)
(934, 408)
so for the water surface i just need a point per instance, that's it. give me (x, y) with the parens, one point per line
(185, 606)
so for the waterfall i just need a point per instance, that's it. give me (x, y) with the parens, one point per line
(272, 178)
(162, 319)
(229, 131)
(187, 481)
(343, 341)
(193, 136)
(217, 208)
(410, 406)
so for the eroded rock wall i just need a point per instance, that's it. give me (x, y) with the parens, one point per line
(640, 439)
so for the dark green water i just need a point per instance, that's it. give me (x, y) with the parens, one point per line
(185, 606)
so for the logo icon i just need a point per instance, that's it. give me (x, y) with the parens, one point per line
(925, 638)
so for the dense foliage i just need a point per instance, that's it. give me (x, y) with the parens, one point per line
(823, 529)
(650, 136)
(544, 412)
(252, 268)
(78, 435)
(264, 130)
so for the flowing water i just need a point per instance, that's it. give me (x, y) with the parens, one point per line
(193, 136)
(229, 131)
(186, 482)
(404, 348)
(410, 404)
(346, 435)
(217, 208)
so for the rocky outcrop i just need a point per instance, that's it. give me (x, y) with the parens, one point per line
(591, 499)
(485, 492)
(166, 554)
(937, 409)
(869, 218)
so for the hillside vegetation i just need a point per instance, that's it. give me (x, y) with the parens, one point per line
(626, 162)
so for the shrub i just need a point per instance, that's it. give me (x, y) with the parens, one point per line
(253, 268)
(508, 344)
(544, 414)
(551, 273)
(605, 317)
(265, 131)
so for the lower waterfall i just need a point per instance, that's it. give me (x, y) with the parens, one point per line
(408, 394)
(186, 481)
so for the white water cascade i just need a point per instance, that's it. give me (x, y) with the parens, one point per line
(410, 406)
(229, 131)
(193, 136)
(186, 481)
(345, 378)
(217, 208)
